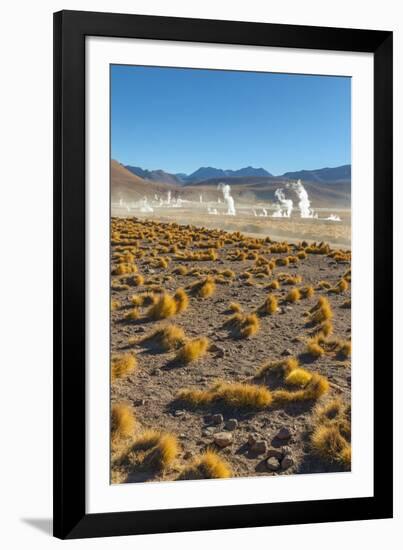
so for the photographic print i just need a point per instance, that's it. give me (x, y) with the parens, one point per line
(230, 274)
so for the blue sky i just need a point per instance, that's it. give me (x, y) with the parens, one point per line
(180, 119)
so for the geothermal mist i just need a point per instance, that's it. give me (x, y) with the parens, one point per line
(226, 191)
(285, 206)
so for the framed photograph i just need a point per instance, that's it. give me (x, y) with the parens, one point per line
(223, 274)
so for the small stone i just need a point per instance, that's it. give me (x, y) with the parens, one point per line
(217, 419)
(179, 413)
(187, 455)
(156, 372)
(231, 424)
(140, 402)
(274, 453)
(252, 438)
(286, 450)
(223, 439)
(259, 447)
(208, 431)
(288, 308)
(140, 330)
(287, 462)
(284, 433)
(286, 352)
(273, 464)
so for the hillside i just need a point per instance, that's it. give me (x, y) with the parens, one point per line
(127, 186)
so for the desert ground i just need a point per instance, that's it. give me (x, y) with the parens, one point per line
(230, 347)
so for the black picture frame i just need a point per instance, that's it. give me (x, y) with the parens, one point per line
(70, 517)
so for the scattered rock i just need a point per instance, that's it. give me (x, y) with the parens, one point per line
(179, 413)
(231, 424)
(223, 439)
(156, 372)
(140, 330)
(286, 451)
(140, 402)
(288, 308)
(283, 434)
(219, 351)
(252, 438)
(273, 464)
(286, 352)
(217, 419)
(287, 462)
(208, 431)
(188, 455)
(275, 453)
(259, 447)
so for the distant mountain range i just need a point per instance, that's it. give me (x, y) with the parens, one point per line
(327, 187)
(203, 174)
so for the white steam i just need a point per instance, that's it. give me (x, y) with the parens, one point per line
(284, 206)
(226, 191)
(304, 202)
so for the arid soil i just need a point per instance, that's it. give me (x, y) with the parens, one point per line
(151, 389)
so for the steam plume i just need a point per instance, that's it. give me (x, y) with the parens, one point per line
(226, 191)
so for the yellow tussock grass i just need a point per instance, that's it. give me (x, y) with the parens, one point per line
(328, 443)
(307, 291)
(180, 270)
(281, 367)
(321, 311)
(182, 300)
(204, 288)
(122, 365)
(234, 394)
(166, 338)
(298, 377)
(314, 348)
(156, 449)
(293, 295)
(270, 305)
(166, 306)
(274, 285)
(115, 304)
(250, 326)
(123, 421)
(316, 387)
(235, 307)
(207, 465)
(132, 315)
(193, 350)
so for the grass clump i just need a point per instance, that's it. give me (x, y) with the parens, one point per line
(123, 421)
(166, 338)
(180, 270)
(307, 291)
(182, 300)
(331, 434)
(155, 449)
(314, 348)
(270, 305)
(207, 465)
(250, 326)
(166, 306)
(298, 377)
(235, 307)
(204, 288)
(234, 394)
(281, 367)
(122, 365)
(321, 311)
(273, 285)
(192, 350)
(314, 389)
(293, 295)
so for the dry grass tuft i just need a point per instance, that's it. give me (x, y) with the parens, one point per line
(298, 377)
(133, 314)
(122, 365)
(314, 348)
(270, 305)
(328, 443)
(316, 387)
(293, 295)
(234, 394)
(115, 304)
(123, 421)
(321, 311)
(273, 285)
(193, 350)
(235, 307)
(182, 300)
(282, 367)
(166, 306)
(167, 338)
(250, 326)
(155, 449)
(307, 291)
(207, 465)
(204, 288)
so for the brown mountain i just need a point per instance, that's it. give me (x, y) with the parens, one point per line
(129, 187)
